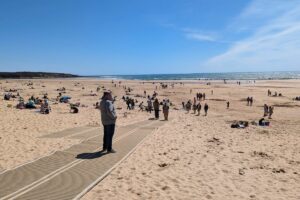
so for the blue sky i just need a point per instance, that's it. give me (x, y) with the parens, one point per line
(154, 36)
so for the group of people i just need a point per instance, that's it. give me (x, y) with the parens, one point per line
(200, 96)
(8, 96)
(165, 108)
(33, 102)
(268, 111)
(129, 102)
(195, 106)
(297, 98)
(249, 101)
(275, 94)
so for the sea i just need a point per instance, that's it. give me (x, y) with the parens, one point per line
(209, 76)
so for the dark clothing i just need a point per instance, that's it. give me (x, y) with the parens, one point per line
(156, 105)
(109, 131)
(156, 109)
(156, 113)
(108, 118)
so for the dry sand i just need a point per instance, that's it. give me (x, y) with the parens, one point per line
(190, 157)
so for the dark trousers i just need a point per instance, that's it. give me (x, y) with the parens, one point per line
(109, 131)
(156, 112)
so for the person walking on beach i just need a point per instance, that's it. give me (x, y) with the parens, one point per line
(198, 108)
(205, 109)
(266, 110)
(156, 108)
(251, 101)
(166, 108)
(271, 109)
(108, 118)
(228, 104)
(149, 102)
(194, 107)
(188, 106)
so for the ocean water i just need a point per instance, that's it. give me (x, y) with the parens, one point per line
(209, 76)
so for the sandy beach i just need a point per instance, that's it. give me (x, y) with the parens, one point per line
(189, 157)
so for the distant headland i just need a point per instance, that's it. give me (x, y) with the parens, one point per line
(21, 75)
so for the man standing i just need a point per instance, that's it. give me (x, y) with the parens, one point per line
(166, 107)
(108, 118)
(156, 108)
(205, 109)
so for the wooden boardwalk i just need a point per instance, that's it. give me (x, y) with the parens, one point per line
(69, 174)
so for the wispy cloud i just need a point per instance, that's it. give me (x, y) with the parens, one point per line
(200, 37)
(274, 42)
(191, 33)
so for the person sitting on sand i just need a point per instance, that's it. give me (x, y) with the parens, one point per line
(156, 108)
(205, 109)
(30, 104)
(45, 108)
(74, 108)
(7, 96)
(21, 104)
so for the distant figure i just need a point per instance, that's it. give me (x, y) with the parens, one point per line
(141, 106)
(183, 105)
(269, 93)
(194, 107)
(251, 101)
(248, 101)
(188, 106)
(108, 118)
(156, 108)
(198, 108)
(228, 104)
(149, 102)
(205, 109)
(166, 108)
(212, 92)
(271, 110)
(266, 110)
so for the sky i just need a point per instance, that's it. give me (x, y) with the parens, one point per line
(101, 37)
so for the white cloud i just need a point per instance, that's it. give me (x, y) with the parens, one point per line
(274, 43)
(200, 37)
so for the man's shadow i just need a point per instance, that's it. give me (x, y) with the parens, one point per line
(93, 155)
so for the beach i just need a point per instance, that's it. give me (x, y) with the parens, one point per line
(189, 157)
